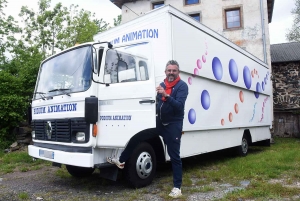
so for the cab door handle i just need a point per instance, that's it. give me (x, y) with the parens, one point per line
(147, 101)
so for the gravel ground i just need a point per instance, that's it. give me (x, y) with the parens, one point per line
(45, 184)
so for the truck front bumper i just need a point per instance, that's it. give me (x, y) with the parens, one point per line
(63, 157)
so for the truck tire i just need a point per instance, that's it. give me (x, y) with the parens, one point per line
(140, 168)
(79, 171)
(242, 150)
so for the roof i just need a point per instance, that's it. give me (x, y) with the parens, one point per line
(270, 4)
(285, 52)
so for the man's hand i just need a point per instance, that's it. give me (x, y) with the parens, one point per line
(161, 91)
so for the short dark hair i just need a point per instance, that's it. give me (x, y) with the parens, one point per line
(172, 62)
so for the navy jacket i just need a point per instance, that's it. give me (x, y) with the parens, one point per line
(172, 110)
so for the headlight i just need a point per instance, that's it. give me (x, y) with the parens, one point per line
(33, 134)
(80, 137)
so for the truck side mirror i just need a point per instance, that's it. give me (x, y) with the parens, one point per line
(91, 110)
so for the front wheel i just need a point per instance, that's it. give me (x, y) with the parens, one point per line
(76, 171)
(140, 168)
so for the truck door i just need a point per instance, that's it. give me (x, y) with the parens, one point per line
(127, 102)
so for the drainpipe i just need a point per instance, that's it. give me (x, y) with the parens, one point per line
(263, 29)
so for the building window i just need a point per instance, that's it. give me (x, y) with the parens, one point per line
(157, 4)
(233, 18)
(190, 2)
(196, 16)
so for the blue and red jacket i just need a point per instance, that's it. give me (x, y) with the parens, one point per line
(172, 110)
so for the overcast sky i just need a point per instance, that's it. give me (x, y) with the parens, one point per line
(281, 21)
(102, 8)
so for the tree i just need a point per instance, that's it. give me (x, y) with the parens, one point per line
(42, 28)
(118, 20)
(82, 26)
(60, 27)
(294, 33)
(8, 27)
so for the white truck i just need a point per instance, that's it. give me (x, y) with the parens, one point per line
(91, 99)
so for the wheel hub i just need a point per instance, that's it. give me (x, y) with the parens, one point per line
(144, 165)
(244, 146)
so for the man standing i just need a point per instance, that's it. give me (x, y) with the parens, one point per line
(172, 94)
(171, 97)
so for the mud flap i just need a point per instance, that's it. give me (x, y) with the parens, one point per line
(110, 173)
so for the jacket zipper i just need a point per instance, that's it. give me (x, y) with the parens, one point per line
(160, 110)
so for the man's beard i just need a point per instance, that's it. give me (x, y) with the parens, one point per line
(171, 78)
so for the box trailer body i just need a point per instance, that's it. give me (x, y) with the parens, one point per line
(90, 100)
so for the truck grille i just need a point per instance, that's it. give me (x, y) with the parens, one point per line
(63, 130)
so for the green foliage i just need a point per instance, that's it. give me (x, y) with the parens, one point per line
(293, 34)
(11, 106)
(118, 20)
(8, 28)
(60, 27)
(43, 33)
(81, 27)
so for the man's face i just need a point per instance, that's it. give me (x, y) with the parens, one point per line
(172, 72)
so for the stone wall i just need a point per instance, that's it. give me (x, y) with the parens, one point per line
(286, 92)
(286, 89)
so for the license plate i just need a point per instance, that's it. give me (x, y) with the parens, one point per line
(46, 154)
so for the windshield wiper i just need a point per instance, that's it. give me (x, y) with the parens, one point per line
(41, 94)
(60, 90)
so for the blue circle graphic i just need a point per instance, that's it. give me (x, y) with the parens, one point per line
(263, 85)
(217, 68)
(247, 77)
(205, 99)
(192, 116)
(233, 70)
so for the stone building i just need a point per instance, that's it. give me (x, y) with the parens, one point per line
(286, 91)
(244, 22)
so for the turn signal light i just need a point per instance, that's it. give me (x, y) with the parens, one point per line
(95, 130)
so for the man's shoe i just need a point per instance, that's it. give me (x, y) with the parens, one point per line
(175, 193)
(116, 162)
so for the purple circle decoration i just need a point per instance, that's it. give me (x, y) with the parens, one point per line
(199, 63)
(263, 85)
(205, 99)
(217, 68)
(196, 72)
(203, 58)
(190, 80)
(233, 71)
(247, 77)
(192, 116)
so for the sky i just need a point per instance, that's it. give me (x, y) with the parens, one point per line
(102, 8)
(282, 19)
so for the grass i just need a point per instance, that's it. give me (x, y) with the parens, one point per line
(19, 161)
(271, 172)
(23, 196)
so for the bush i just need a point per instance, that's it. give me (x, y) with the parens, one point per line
(12, 107)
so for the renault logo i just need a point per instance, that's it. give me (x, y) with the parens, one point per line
(49, 129)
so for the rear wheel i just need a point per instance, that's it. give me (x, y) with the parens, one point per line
(140, 168)
(242, 150)
(76, 171)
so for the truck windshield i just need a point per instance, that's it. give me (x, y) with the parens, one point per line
(66, 73)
